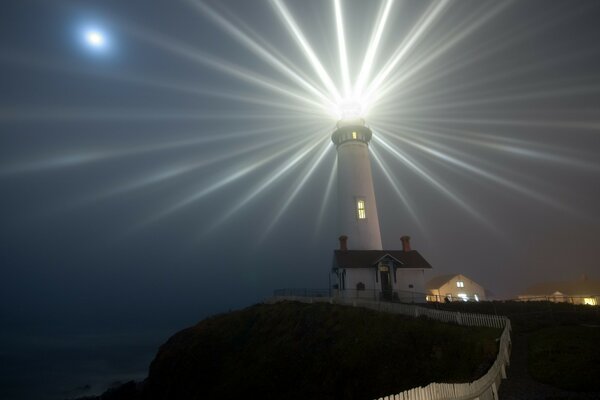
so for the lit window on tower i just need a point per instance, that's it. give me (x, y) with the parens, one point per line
(360, 208)
(353, 135)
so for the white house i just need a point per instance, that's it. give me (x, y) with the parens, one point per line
(380, 274)
(454, 287)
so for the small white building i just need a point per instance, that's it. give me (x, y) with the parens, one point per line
(454, 287)
(380, 274)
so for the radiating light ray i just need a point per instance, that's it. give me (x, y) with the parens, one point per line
(420, 170)
(539, 197)
(367, 65)
(399, 190)
(84, 157)
(306, 49)
(421, 27)
(339, 23)
(298, 185)
(434, 53)
(257, 49)
(457, 31)
(118, 114)
(229, 178)
(175, 172)
(222, 66)
(161, 83)
(326, 197)
(503, 144)
(446, 70)
(520, 95)
(236, 21)
(277, 174)
(576, 125)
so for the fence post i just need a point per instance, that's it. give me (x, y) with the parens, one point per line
(459, 318)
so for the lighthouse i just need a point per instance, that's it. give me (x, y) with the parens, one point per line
(357, 208)
(361, 267)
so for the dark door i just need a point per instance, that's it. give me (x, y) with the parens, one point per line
(386, 284)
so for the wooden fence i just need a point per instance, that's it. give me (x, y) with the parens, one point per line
(484, 388)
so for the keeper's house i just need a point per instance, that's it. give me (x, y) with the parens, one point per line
(380, 274)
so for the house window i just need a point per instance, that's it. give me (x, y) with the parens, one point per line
(354, 135)
(476, 297)
(463, 296)
(360, 209)
(589, 301)
(460, 284)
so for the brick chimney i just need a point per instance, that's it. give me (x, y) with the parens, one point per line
(343, 242)
(405, 243)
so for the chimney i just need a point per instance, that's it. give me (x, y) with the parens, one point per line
(343, 242)
(405, 243)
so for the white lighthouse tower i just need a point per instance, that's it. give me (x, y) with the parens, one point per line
(357, 208)
(361, 267)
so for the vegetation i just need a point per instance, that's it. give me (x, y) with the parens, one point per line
(562, 339)
(529, 316)
(567, 357)
(319, 351)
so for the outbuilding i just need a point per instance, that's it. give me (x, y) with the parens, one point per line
(454, 287)
(580, 291)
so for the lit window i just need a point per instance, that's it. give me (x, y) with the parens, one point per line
(589, 301)
(353, 135)
(360, 208)
(476, 297)
(460, 284)
(463, 296)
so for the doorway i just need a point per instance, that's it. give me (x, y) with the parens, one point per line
(386, 282)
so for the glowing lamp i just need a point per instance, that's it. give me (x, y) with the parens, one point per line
(350, 109)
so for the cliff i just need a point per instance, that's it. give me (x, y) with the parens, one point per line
(292, 350)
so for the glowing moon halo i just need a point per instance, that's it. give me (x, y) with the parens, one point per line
(95, 38)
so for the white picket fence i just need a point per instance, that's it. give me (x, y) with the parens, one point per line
(484, 388)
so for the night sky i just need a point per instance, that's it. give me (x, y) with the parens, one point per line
(175, 171)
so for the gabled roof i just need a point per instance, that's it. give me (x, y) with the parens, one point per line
(438, 281)
(370, 258)
(570, 288)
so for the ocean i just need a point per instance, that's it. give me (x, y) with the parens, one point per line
(58, 366)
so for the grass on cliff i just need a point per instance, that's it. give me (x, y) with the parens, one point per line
(567, 357)
(292, 350)
(562, 339)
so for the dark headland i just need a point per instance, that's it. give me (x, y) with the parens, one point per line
(293, 350)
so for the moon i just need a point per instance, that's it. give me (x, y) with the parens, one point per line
(95, 38)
